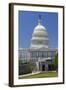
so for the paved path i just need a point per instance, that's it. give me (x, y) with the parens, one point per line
(29, 74)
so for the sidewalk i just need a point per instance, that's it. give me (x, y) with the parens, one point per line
(29, 74)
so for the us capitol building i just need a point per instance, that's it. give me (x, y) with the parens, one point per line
(39, 52)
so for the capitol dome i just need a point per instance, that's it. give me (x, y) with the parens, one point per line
(39, 37)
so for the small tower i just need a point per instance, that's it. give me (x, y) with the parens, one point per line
(39, 19)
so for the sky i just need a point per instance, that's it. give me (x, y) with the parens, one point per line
(28, 20)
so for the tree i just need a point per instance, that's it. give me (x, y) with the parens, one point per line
(24, 68)
(56, 62)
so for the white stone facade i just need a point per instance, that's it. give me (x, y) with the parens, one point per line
(41, 58)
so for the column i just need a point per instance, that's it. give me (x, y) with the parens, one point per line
(46, 67)
(37, 66)
(40, 66)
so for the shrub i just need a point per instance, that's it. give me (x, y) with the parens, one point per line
(51, 67)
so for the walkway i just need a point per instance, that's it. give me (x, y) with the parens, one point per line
(29, 74)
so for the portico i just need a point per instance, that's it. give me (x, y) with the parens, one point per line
(42, 65)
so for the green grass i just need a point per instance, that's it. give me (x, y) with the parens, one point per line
(41, 75)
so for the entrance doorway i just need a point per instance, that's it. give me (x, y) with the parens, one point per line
(43, 67)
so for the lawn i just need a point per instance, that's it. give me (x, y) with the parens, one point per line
(41, 75)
